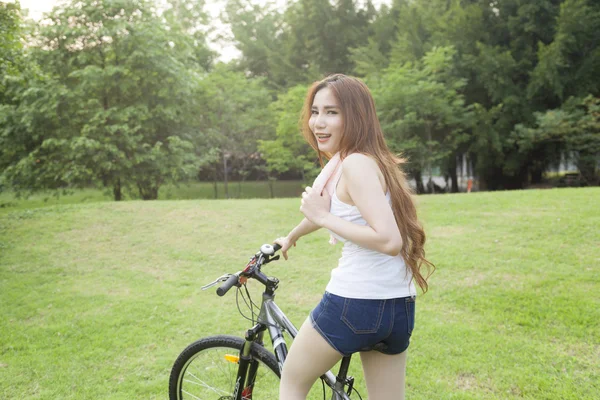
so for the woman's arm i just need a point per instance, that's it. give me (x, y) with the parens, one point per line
(303, 228)
(360, 174)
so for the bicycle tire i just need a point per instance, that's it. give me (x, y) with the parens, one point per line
(202, 372)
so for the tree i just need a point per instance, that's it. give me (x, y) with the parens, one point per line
(237, 116)
(570, 65)
(422, 111)
(116, 77)
(309, 39)
(188, 20)
(10, 46)
(289, 150)
(496, 49)
(502, 66)
(372, 57)
(27, 97)
(573, 129)
(257, 33)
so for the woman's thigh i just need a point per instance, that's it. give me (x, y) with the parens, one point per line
(310, 357)
(384, 374)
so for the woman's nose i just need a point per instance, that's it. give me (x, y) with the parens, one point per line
(319, 121)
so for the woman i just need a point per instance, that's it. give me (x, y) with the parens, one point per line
(369, 303)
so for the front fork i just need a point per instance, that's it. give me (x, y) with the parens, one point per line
(248, 367)
(247, 392)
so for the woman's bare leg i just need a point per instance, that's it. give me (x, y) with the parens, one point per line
(384, 374)
(310, 357)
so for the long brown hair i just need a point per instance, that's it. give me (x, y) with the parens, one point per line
(361, 133)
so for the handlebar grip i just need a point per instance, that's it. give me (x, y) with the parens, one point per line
(276, 247)
(229, 283)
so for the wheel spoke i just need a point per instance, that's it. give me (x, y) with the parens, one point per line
(204, 384)
(188, 393)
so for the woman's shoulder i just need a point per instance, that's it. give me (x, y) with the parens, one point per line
(361, 168)
(357, 162)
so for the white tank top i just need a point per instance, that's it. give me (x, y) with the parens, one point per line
(366, 274)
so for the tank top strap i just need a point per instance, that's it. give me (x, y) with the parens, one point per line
(336, 177)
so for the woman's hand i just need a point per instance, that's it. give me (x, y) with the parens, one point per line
(285, 243)
(314, 206)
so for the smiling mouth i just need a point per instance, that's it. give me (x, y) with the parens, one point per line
(323, 136)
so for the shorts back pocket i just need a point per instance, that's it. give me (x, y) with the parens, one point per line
(363, 316)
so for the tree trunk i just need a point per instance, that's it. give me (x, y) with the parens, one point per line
(225, 175)
(430, 183)
(419, 181)
(453, 175)
(454, 179)
(215, 180)
(271, 188)
(117, 193)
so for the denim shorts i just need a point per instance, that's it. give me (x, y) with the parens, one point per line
(352, 325)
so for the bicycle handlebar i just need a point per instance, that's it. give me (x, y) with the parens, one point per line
(224, 288)
(233, 280)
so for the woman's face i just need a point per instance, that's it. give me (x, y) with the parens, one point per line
(326, 121)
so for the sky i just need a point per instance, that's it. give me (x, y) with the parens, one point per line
(227, 51)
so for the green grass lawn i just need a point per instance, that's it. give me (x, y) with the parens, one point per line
(98, 299)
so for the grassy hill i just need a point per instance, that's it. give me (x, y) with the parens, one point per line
(98, 299)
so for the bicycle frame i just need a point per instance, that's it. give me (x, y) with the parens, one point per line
(274, 320)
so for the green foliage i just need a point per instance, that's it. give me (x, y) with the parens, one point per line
(570, 65)
(109, 102)
(236, 116)
(188, 20)
(27, 118)
(123, 95)
(422, 110)
(289, 151)
(575, 129)
(257, 34)
(309, 39)
(10, 46)
(516, 58)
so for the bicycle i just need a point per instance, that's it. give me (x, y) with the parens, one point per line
(226, 367)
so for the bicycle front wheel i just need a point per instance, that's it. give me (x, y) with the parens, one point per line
(207, 369)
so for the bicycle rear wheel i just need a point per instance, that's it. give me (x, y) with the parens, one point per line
(207, 369)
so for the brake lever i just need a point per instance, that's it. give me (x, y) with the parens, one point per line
(220, 279)
(277, 257)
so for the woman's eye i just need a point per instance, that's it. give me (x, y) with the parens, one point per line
(313, 112)
(332, 112)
